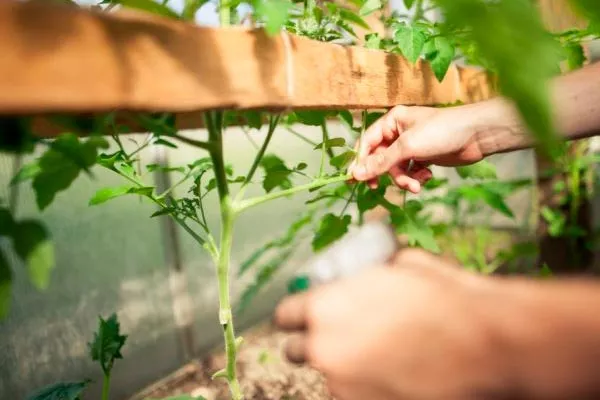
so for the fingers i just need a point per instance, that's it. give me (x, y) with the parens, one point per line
(291, 313)
(412, 180)
(295, 349)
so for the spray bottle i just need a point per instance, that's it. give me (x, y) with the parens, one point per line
(372, 244)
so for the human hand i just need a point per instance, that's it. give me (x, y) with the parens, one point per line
(418, 331)
(439, 136)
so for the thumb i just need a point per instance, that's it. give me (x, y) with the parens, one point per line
(379, 163)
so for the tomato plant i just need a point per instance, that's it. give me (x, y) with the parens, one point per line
(506, 37)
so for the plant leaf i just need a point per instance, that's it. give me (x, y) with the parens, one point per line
(341, 160)
(274, 13)
(61, 391)
(107, 343)
(369, 7)
(61, 164)
(27, 172)
(372, 41)
(480, 170)
(331, 228)
(105, 194)
(439, 52)
(276, 173)
(335, 142)
(411, 41)
(418, 232)
(354, 18)
(5, 285)
(575, 56)
(149, 6)
(32, 243)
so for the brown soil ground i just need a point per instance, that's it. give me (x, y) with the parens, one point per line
(264, 374)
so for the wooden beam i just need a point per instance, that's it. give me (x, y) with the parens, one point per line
(59, 59)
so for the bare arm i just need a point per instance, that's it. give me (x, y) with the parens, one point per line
(550, 334)
(576, 109)
(466, 134)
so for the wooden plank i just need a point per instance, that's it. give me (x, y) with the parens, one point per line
(70, 60)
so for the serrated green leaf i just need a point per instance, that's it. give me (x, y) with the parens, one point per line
(575, 56)
(373, 41)
(254, 119)
(107, 343)
(105, 194)
(342, 160)
(331, 228)
(367, 199)
(61, 164)
(439, 52)
(32, 243)
(312, 118)
(274, 13)
(335, 142)
(354, 18)
(149, 6)
(435, 183)
(480, 170)
(5, 285)
(416, 229)
(27, 172)
(369, 7)
(276, 173)
(482, 193)
(61, 391)
(411, 41)
(408, 4)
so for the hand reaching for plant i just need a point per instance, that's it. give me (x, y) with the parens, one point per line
(462, 135)
(438, 136)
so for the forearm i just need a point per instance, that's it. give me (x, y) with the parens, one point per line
(576, 110)
(548, 334)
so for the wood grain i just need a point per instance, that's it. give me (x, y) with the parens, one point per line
(65, 59)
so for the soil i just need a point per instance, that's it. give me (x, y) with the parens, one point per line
(264, 373)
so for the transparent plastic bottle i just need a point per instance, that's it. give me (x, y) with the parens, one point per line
(371, 244)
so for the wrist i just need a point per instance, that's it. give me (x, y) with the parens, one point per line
(498, 127)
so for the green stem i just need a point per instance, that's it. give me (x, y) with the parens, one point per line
(227, 222)
(272, 125)
(418, 11)
(249, 203)
(301, 137)
(224, 13)
(106, 386)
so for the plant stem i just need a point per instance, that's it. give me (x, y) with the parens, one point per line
(105, 386)
(246, 204)
(273, 120)
(301, 137)
(227, 221)
(224, 13)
